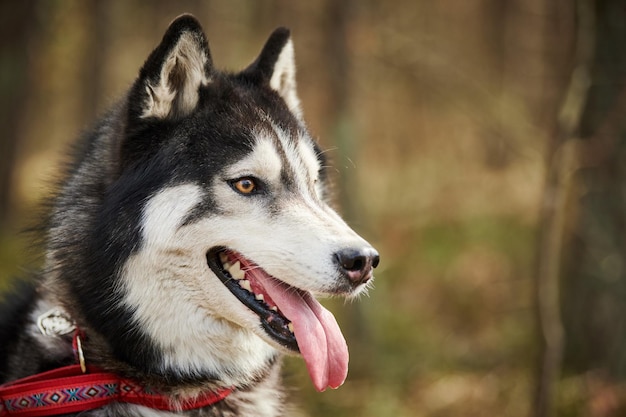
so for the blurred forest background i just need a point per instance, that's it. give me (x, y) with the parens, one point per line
(479, 144)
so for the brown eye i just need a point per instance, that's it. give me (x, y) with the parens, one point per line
(245, 185)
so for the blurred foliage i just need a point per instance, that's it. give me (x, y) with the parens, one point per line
(438, 118)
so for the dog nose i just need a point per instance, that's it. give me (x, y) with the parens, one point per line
(357, 264)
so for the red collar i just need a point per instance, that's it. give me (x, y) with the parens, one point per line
(79, 387)
(69, 390)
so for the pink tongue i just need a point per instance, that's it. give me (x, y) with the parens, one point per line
(319, 338)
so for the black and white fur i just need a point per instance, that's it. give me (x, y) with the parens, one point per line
(149, 195)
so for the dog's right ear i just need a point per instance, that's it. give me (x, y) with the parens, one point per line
(169, 80)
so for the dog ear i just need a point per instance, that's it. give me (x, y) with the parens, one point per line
(276, 66)
(168, 82)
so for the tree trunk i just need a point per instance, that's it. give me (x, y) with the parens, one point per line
(581, 265)
(595, 287)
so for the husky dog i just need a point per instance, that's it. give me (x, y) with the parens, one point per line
(189, 239)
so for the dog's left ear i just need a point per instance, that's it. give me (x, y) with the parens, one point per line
(276, 66)
(169, 80)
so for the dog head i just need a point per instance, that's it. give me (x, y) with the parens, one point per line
(212, 232)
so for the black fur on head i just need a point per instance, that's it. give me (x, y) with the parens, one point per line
(178, 78)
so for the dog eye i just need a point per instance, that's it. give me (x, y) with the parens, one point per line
(245, 185)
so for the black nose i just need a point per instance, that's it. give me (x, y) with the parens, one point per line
(357, 264)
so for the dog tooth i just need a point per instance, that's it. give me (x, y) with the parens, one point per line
(290, 327)
(274, 308)
(260, 297)
(245, 284)
(236, 272)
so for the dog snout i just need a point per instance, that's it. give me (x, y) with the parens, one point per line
(357, 264)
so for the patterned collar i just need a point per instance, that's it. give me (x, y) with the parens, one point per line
(79, 387)
(69, 390)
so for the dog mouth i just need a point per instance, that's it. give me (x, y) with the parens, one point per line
(234, 272)
(290, 316)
